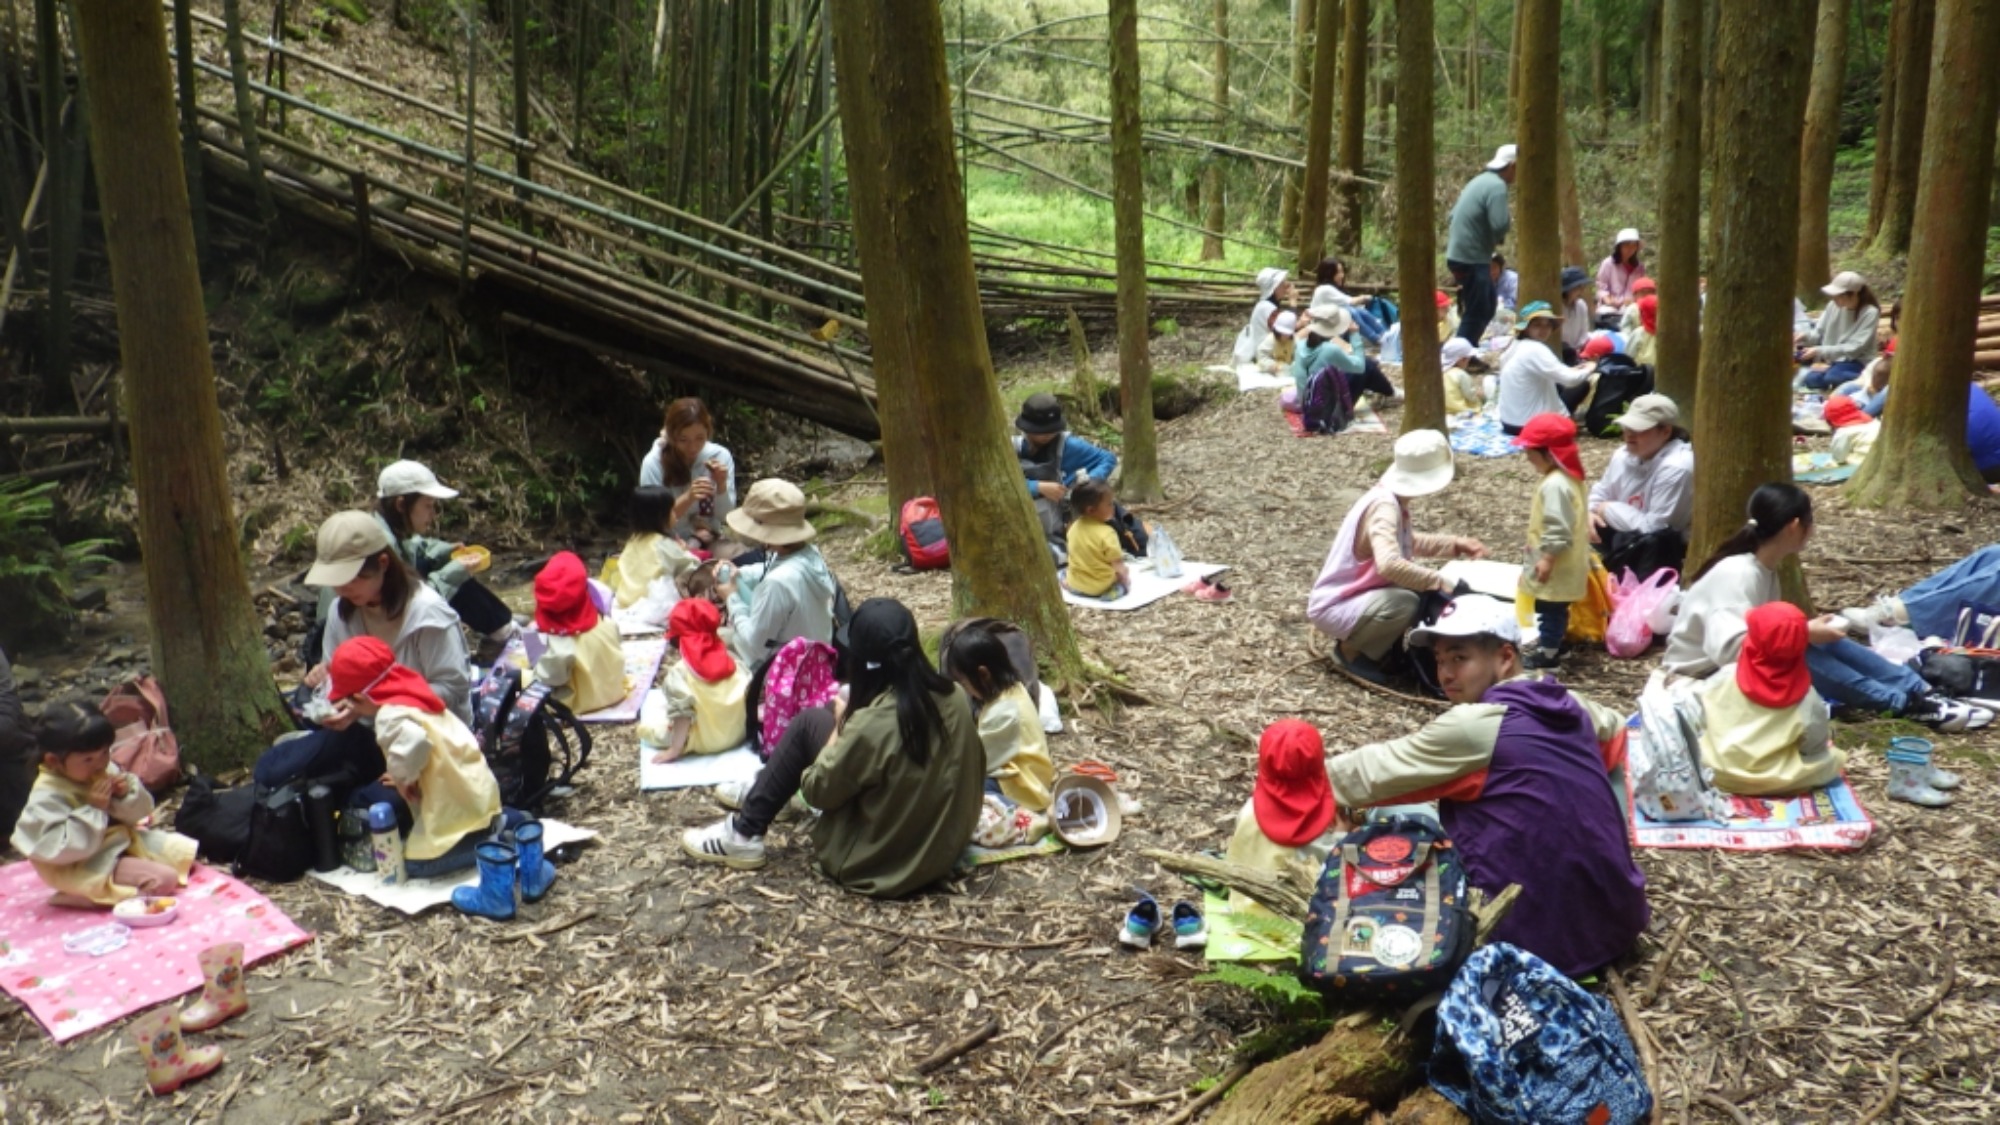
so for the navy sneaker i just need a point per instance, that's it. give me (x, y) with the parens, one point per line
(1141, 923)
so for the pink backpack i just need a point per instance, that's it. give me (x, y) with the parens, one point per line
(146, 747)
(802, 674)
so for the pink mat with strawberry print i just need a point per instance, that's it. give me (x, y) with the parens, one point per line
(73, 994)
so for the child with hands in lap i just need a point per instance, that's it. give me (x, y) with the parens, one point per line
(1096, 561)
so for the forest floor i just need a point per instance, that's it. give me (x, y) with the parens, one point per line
(647, 987)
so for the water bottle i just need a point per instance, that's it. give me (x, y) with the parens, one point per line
(319, 812)
(355, 847)
(386, 842)
(1165, 555)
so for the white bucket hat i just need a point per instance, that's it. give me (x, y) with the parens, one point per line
(1423, 464)
(1329, 320)
(1268, 280)
(1629, 234)
(406, 477)
(1846, 281)
(1455, 349)
(1502, 157)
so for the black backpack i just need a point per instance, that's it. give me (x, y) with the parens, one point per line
(216, 819)
(1388, 919)
(1619, 381)
(277, 845)
(533, 744)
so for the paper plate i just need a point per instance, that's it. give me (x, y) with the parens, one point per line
(144, 911)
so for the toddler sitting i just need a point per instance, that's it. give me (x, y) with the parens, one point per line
(1096, 560)
(705, 691)
(1290, 818)
(585, 660)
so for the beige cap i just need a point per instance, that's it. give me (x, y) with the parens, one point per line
(1084, 811)
(1423, 464)
(1649, 411)
(773, 513)
(346, 541)
(1329, 319)
(1846, 281)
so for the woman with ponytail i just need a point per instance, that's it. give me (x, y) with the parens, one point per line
(896, 771)
(1742, 574)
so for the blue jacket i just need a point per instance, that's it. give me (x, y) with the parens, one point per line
(1096, 463)
(1982, 429)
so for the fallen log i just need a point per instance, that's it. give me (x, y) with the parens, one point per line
(1426, 1107)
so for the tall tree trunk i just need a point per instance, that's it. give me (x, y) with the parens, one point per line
(1319, 138)
(1678, 241)
(1649, 69)
(1139, 461)
(1913, 82)
(1385, 83)
(923, 311)
(1354, 121)
(1538, 132)
(1571, 208)
(1303, 12)
(1216, 214)
(1710, 14)
(1416, 217)
(208, 645)
(1600, 68)
(1921, 461)
(1885, 119)
(1822, 137)
(1742, 420)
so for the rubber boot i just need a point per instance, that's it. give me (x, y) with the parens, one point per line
(222, 990)
(493, 896)
(1909, 778)
(537, 873)
(1939, 779)
(170, 1063)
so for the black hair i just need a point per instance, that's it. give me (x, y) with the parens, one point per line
(1866, 296)
(395, 511)
(1329, 268)
(73, 726)
(651, 509)
(704, 581)
(1088, 495)
(398, 585)
(1499, 259)
(905, 672)
(976, 656)
(1772, 508)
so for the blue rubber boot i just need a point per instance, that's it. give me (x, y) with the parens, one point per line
(493, 896)
(537, 874)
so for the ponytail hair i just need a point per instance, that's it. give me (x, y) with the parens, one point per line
(1772, 509)
(886, 655)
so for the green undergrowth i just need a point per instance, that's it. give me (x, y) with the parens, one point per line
(38, 572)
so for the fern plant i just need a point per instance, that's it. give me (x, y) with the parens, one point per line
(38, 573)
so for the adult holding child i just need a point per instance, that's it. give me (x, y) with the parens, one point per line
(698, 473)
(1371, 589)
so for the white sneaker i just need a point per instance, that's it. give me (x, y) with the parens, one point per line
(1948, 715)
(730, 794)
(721, 843)
(1887, 611)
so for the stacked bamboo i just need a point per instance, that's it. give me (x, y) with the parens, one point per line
(1986, 345)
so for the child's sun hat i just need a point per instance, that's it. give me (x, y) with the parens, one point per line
(1293, 799)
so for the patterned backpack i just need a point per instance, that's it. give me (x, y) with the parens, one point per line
(802, 674)
(533, 744)
(1388, 919)
(1669, 783)
(1329, 404)
(1518, 1043)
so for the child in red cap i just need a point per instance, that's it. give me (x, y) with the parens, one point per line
(584, 661)
(705, 689)
(1558, 570)
(433, 760)
(1289, 811)
(1767, 731)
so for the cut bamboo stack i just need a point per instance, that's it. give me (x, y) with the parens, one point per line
(1986, 345)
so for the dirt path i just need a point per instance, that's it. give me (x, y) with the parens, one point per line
(685, 993)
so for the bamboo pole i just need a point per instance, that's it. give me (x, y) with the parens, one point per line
(471, 140)
(239, 77)
(517, 11)
(1152, 135)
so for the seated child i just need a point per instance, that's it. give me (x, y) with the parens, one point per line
(1096, 562)
(1464, 392)
(1289, 819)
(433, 760)
(81, 827)
(713, 581)
(1558, 574)
(705, 691)
(1766, 731)
(585, 661)
(1010, 725)
(653, 562)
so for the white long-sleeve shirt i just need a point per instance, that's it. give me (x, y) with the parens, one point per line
(1709, 626)
(1647, 496)
(1528, 381)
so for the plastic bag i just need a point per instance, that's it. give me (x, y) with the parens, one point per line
(1165, 555)
(1630, 633)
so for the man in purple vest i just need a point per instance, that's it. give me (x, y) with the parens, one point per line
(1518, 770)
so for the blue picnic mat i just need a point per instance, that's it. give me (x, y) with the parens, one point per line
(1480, 436)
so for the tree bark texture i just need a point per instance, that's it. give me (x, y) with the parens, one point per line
(1920, 460)
(1677, 253)
(63, 195)
(1416, 217)
(1537, 132)
(1913, 83)
(1885, 120)
(1215, 211)
(1302, 32)
(1354, 122)
(1139, 461)
(208, 645)
(1743, 414)
(1319, 137)
(1341, 1080)
(923, 312)
(1822, 137)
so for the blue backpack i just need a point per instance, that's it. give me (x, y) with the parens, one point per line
(1388, 919)
(1329, 404)
(1518, 1043)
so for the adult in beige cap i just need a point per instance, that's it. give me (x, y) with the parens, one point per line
(1371, 588)
(1841, 344)
(790, 594)
(1640, 510)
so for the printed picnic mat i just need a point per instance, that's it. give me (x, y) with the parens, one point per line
(642, 666)
(74, 993)
(1830, 817)
(414, 896)
(1147, 587)
(696, 770)
(1479, 436)
(1365, 421)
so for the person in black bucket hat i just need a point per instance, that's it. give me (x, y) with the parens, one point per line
(1578, 320)
(1054, 461)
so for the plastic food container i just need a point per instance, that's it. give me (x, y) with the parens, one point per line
(473, 558)
(147, 910)
(109, 937)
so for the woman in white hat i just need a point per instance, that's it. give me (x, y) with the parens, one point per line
(790, 594)
(407, 497)
(1368, 593)
(1843, 342)
(1331, 339)
(1617, 273)
(1254, 343)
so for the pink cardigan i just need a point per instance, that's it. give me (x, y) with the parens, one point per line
(1614, 282)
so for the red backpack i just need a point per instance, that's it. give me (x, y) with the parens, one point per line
(922, 527)
(146, 747)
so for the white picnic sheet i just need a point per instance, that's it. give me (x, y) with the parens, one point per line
(1485, 576)
(1250, 377)
(696, 770)
(1147, 587)
(418, 895)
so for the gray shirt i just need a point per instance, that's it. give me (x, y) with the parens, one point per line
(1479, 221)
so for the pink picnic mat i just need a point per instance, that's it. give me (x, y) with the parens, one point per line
(75, 993)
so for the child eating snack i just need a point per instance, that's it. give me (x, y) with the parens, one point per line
(705, 691)
(585, 661)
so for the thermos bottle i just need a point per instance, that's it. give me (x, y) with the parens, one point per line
(319, 810)
(388, 842)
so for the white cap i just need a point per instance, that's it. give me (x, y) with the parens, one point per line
(406, 477)
(1454, 350)
(1423, 464)
(1846, 281)
(1471, 615)
(1629, 234)
(1502, 157)
(1285, 323)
